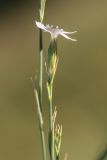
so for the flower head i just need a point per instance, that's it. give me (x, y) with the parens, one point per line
(54, 31)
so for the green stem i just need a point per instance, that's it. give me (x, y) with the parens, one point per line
(51, 132)
(52, 60)
(40, 67)
(39, 92)
(41, 125)
(43, 145)
(50, 108)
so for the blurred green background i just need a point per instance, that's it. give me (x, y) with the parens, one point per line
(80, 86)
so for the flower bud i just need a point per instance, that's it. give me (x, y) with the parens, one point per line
(52, 60)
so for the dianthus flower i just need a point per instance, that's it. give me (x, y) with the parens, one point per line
(55, 31)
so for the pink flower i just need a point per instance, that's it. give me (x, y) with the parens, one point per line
(54, 31)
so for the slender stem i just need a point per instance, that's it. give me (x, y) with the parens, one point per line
(40, 67)
(52, 57)
(51, 131)
(41, 125)
(43, 143)
(39, 92)
(50, 108)
(39, 97)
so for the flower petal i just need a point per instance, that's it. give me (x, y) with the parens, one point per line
(67, 37)
(40, 25)
(69, 32)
